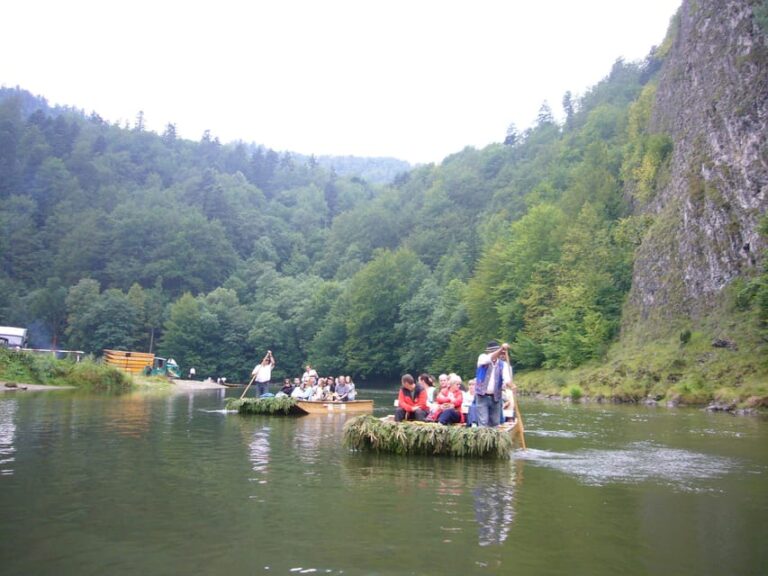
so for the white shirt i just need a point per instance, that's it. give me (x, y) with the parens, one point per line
(263, 372)
(506, 377)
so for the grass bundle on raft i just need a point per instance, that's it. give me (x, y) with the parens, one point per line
(426, 438)
(274, 405)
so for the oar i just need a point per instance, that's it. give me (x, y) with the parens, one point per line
(518, 416)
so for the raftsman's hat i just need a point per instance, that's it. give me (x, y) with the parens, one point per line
(492, 347)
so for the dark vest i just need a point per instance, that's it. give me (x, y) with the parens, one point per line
(483, 387)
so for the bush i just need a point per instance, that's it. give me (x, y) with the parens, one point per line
(48, 370)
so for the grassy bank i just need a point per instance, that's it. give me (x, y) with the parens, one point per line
(723, 364)
(26, 368)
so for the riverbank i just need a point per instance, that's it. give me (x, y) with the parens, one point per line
(154, 383)
(16, 387)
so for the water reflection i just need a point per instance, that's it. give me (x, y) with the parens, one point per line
(7, 436)
(129, 416)
(315, 432)
(468, 500)
(494, 501)
(258, 454)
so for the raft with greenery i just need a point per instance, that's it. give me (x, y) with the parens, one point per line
(427, 438)
(273, 405)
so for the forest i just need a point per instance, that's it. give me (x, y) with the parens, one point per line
(118, 237)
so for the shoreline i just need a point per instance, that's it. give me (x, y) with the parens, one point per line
(180, 385)
(20, 387)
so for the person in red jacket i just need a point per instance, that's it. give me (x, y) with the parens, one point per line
(449, 402)
(411, 401)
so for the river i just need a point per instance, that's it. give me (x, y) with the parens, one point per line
(170, 484)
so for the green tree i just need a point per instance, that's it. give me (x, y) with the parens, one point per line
(81, 298)
(24, 257)
(114, 323)
(190, 335)
(48, 306)
(374, 344)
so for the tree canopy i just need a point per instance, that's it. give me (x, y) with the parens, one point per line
(116, 237)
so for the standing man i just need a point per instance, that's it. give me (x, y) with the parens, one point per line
(262, 373)
(493, 374)
(411, 401)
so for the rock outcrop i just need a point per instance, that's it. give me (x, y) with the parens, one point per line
(712, 101)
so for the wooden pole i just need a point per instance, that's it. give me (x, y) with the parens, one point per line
(518, 416)
(256, 373)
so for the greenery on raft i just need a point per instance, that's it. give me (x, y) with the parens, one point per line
(274, 405)
(426, 438)
(45, 369)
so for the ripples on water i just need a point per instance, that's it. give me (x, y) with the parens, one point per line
(638, 462)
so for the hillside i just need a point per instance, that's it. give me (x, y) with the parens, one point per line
(620, 252)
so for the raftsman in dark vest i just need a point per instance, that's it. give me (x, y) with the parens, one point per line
(483, 375)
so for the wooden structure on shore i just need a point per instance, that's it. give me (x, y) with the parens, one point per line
(133, 362)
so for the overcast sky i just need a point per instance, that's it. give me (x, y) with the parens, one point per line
(415, 79)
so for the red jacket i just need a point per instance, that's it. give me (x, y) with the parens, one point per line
(411, 400)
(454, 398)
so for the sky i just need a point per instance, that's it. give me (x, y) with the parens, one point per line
(416, 80)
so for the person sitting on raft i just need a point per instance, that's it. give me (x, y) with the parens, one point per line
(298, 391)
(321, 392)
(287, 388)
(429, 385)
(449, 402)
(342, 390)
(351, 385)
(411, 401)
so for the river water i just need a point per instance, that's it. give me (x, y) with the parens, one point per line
(170, 484)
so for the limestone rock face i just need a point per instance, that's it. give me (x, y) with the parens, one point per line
(712, 100)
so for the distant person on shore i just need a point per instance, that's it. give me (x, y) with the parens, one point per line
(262, 373)
(411, 401)
(493, 374)
(192, 373)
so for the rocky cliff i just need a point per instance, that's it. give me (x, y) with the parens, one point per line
(712, 101)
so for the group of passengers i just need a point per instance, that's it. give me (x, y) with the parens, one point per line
(339, 389)
(487, 400)
(308, 387)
